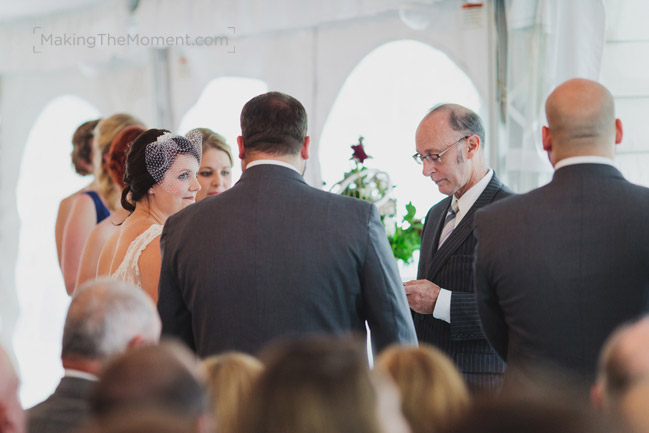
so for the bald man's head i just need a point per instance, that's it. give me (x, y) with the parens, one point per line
(581, 121)
(623, 361)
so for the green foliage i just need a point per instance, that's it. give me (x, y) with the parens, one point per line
(406, 238)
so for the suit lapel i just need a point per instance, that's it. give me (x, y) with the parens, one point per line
(463, 230)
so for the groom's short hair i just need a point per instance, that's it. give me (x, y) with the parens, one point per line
(274, 123)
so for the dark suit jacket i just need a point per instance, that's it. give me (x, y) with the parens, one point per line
(560, 267)
(451, 267)
(65, 410)
(273, 257)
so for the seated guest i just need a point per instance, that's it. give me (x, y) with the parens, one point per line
(12, 417)
(316, 385)
(105, 318)
(160, 180)
(82, 154)
(104, 230)
(623, 362)
(215, 173)
(632, 407)
(433, 392)
(230, 378)
(155, 378)
(147, 421)
(531, 414)
(93, 206)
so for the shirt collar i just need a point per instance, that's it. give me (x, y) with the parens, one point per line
(573, 160)
(469, 198)
(69, 372)
(272, 162)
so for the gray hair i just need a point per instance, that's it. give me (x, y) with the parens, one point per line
(461, 118)
(104, 316)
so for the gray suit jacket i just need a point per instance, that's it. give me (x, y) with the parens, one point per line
(274, 257)
(65, 410)
(451, 267)
(560, 267)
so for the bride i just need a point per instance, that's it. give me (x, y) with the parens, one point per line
(160, 180)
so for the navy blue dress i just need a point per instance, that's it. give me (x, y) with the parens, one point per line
(100, 208)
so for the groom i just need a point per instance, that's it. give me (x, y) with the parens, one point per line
(274, 257)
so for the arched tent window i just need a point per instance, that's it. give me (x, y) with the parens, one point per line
(218, 109)
(46, 177)
(383, 100)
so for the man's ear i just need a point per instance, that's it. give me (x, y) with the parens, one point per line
(242, 152)
(135, 342)
(546, 138)
(597, 396)
(618, 131)
(304, 152)
(474, 145)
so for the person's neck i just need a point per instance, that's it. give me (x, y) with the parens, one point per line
(91, 366)
(477, 174)
(147, 209)
(294, 160)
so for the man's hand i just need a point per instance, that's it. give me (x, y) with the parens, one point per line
(422, 295)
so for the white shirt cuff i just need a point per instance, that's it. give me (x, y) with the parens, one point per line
(442, 309)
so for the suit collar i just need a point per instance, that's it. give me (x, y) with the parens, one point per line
(464, 228)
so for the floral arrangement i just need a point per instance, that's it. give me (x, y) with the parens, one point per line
(375, 186)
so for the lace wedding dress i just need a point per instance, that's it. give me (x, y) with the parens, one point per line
(128, 270)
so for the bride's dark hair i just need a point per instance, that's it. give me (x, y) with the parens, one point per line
(137, 179)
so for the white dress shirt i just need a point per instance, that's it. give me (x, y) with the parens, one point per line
(583, 160)
(69, 372)
(272, 162)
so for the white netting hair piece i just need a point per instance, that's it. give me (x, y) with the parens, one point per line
(160, 154)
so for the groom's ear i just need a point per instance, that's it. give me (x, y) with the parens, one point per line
(242, 151)
(304, 152)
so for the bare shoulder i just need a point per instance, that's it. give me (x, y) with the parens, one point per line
(108, 253)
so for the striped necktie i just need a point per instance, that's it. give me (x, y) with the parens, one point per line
(449, 223)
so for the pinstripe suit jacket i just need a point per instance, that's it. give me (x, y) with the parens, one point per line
(451, 267)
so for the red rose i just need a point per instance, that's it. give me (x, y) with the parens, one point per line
(359, 153)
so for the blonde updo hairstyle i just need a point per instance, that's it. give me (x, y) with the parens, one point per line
(213, 140)
(433, 392)
(105, 132)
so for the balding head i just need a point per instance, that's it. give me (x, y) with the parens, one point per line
(105, 318)
(581, 121)
(623, 361)
(456, 135)
(12, 417)
(165, 377)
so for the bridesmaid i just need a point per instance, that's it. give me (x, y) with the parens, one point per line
(104, 230)
(92, 206)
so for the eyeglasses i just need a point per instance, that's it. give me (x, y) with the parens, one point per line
(435, 157)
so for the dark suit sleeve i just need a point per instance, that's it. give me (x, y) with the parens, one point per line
(465, 320)
(491, 314)
(384, 300)
(174, 314)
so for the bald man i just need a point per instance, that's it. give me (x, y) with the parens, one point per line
(559, 268)
(106, 317)
(623, 363)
